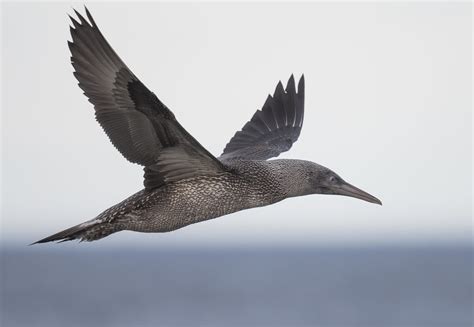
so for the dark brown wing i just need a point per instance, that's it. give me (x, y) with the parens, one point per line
(273, 129)
(138, 124)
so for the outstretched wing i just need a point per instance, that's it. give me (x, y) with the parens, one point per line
(138, 124)
(273, 129)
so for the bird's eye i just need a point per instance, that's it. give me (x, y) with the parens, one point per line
(332, 179)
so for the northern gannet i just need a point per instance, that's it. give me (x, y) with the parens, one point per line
(184, 183)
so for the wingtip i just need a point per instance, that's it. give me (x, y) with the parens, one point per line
(290, 85)
(89, 16)
(81, 17)
(76, 12)
(301, 84)
(75, 23)
(279, 89)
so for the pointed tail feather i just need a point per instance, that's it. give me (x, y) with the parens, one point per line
(88, 231)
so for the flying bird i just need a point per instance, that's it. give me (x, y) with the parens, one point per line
(183, 182)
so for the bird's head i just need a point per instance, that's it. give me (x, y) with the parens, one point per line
(322, 180)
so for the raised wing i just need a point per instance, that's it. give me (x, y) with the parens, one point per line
(273, 129)
(138, 124)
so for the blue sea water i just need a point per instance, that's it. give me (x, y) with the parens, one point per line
(369, 286)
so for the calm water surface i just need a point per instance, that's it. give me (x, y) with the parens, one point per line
(388, 286)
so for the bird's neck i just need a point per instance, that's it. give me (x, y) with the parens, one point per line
(291, 177)
(275, 180)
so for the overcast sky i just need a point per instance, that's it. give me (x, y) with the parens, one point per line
(388, 107)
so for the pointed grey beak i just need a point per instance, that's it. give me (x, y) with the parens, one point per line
(352, 191)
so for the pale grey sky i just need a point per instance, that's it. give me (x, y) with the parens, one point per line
(388, 107)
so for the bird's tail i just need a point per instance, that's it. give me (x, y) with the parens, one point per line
(89, 231)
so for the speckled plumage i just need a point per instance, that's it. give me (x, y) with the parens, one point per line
(184, 183)
(248, 184)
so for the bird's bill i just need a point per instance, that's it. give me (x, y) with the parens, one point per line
(352, 191)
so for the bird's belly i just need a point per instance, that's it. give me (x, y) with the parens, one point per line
(181, 204)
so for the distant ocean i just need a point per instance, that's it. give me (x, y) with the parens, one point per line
(334, 287)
